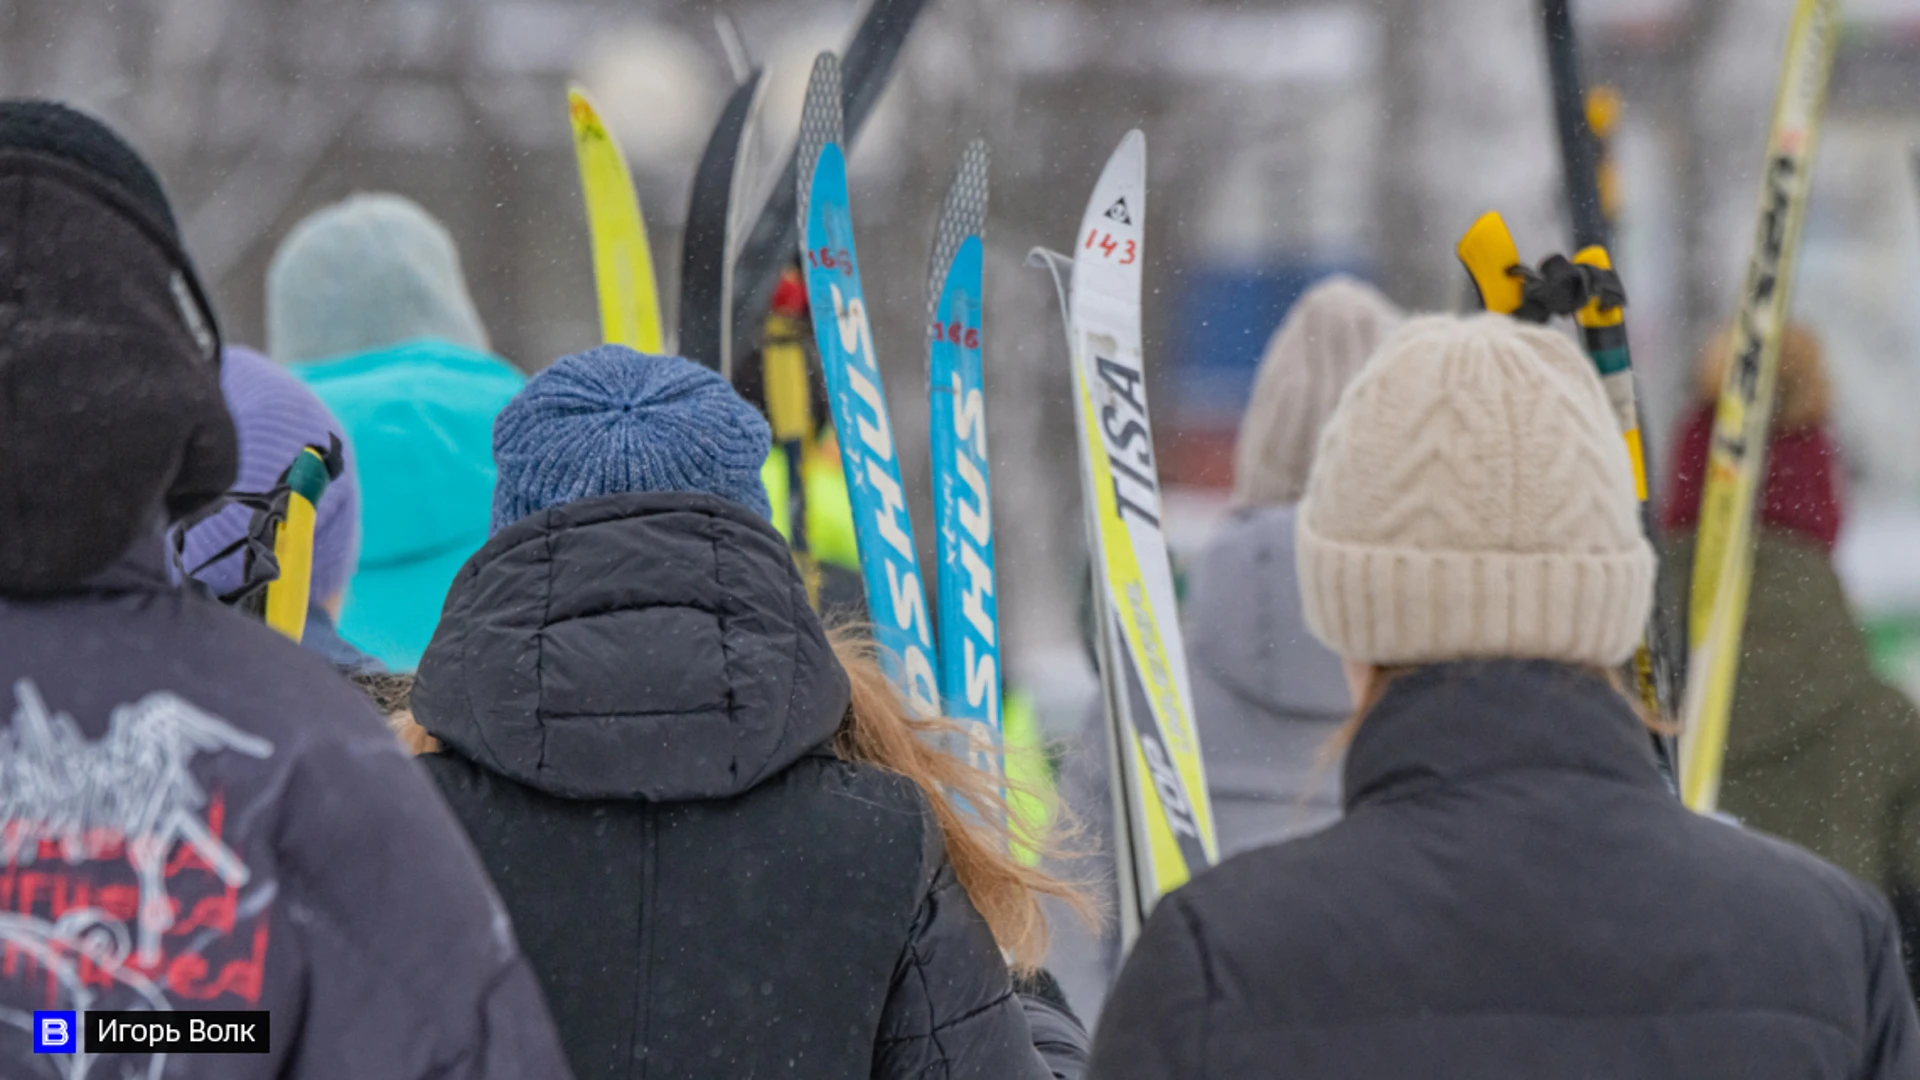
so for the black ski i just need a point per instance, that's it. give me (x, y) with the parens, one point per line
(770, 246)
(706, 251)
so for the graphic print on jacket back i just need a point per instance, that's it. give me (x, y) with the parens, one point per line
(117, 890)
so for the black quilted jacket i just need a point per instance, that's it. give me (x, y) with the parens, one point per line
(1513, 893)
(638, 707)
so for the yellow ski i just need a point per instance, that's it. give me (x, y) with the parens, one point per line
(1736, 459)
(1164, 830)
(622, 262)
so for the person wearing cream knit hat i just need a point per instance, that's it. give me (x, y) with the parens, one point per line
(1513, 890)
(1473, 499)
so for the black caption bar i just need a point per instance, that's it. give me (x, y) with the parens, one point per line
(193, 1031)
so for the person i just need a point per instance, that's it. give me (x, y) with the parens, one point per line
(195, 813)
(276, 417)
(728, 847)
(1267, 697)
(366, 303)
(1819, 750)
(1513, 891)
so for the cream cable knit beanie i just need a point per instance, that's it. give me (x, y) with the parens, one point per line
(1472, 498)
(1319, 348)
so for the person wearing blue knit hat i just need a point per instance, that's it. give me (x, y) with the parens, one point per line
(683, 786)
(611, 420)
(367, 304)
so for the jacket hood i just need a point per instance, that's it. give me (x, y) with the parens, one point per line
(1246, 628)
(1450, 723)
(109, 376)
(654, 646)
(420, 417)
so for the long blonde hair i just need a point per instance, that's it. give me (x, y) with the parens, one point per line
(880, 730)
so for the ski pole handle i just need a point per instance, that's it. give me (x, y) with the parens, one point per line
(289, 594)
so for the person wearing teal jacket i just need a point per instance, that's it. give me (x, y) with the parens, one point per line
(367, 303)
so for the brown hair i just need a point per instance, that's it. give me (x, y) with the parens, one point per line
(393, 696)
(880, 730)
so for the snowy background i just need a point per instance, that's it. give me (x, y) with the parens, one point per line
(1286, 140)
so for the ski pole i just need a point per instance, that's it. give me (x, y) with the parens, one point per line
(288, 595)
(1506, 286)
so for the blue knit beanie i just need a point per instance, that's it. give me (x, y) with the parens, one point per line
(612, 420)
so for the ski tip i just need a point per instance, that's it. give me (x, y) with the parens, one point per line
(1122, 186)
(580, 106)
(822, 123)
(826, 73)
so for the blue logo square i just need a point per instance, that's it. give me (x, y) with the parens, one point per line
(55, 1032)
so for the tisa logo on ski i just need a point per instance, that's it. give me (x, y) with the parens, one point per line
(1118, 212)
(1123, 427)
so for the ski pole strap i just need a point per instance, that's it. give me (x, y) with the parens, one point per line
(308, 477)
(1563, 287)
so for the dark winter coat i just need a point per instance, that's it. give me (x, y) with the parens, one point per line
(638, 709)
(170, 757)
(1513, 892)
(1819, 750)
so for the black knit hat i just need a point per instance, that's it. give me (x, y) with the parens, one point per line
(51, 128)
(110, 398)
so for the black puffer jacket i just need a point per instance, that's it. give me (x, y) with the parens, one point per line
(1513, 893)
(638, 707)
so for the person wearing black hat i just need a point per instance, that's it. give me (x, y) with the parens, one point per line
(195, 813)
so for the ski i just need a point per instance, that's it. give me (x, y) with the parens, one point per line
(706, 249)
(1736, 457)
(769, 246)
(1163, 830)
(622, 262)
(889, 562)
(957, 440)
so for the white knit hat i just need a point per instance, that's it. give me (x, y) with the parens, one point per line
(1472, 498)
(1318, 349)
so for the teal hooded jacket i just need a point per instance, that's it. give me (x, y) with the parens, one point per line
(420, 415)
